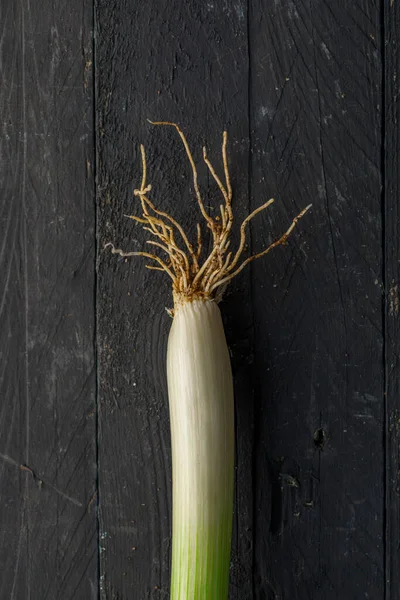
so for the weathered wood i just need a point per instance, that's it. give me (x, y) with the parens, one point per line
(391, 152)
(186, 63)
(48, 546)
(316, 116)
(309, 94)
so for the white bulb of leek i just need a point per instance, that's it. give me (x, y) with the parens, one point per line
(200, 394)
(199, 382)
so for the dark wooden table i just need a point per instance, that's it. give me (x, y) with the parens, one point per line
(308, 92)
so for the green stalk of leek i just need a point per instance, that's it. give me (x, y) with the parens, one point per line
(200, 394)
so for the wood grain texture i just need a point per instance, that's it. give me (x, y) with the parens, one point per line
(48, 545)
(316, 116)
(188, 63)
(308, 92)
(391, 199)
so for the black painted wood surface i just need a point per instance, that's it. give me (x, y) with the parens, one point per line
(308, 92)
(48, 532)
(391, 249)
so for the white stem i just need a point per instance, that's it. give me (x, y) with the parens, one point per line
(202, 430)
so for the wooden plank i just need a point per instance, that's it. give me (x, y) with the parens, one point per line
(392, 288)
(48, 546)
(186, 63)
(316, 111)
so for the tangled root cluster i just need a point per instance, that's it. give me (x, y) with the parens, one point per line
(193, 275)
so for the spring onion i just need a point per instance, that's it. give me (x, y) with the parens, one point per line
(200, 387)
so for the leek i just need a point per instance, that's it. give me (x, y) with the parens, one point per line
(200, 387)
